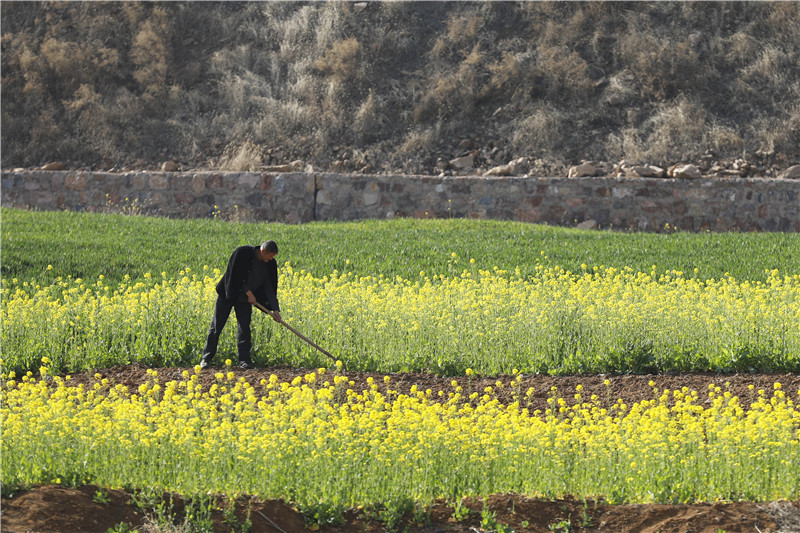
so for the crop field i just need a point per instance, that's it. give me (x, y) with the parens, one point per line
(491, 321)
(474, 362)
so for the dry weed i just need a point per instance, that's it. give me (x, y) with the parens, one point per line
(244, 157)
(341, 60)
(646, 81)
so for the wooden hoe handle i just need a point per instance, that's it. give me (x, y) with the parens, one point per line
(290, 328)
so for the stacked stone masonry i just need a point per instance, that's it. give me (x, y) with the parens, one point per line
(640, 204)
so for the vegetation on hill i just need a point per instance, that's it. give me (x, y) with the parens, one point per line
(398, 86)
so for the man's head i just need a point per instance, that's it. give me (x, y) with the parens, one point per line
(268, 250)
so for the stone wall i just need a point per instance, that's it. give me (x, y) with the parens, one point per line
(643, 204)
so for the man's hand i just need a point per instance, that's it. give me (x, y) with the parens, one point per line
(251, 299)
(276, 316)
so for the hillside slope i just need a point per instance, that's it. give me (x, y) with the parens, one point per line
(401, 86)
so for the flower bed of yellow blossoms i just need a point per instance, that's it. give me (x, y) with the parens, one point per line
(558, 322)
(315, 441)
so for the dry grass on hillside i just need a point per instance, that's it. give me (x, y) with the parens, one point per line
(397, 85)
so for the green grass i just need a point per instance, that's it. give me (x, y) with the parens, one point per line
(89, 245)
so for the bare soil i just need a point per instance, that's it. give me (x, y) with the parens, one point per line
(51, 508)
(629, 388)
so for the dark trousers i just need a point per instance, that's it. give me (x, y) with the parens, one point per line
(222, 310)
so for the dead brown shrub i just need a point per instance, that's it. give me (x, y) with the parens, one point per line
(150, 53)
(455, 93)
(544, 130)
(557, 80)
(241, 157)
(341, 60)
(462, 29)
(368, 120)
(676, 132)
(566, 73)
(504, 73)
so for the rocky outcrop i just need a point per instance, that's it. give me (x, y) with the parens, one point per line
(641, 171)
(476, 156)
(586, 169)
(514, 168)
(294, 166)
(683, 172)
(791, 173)
(463, 162)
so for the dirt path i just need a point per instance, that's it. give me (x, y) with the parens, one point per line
(59, 509)
(629, 388)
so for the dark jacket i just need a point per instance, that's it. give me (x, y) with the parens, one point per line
(241, 261)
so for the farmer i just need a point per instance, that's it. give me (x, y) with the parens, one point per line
(251, 276)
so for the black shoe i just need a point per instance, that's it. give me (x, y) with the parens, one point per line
(244, 365)
(204, 364)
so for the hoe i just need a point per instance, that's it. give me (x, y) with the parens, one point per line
(290, 328)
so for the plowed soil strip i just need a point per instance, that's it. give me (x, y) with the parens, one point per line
(75, 510)
(628, 388)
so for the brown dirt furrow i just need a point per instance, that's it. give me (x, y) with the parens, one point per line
(629, 388)
(50, 508)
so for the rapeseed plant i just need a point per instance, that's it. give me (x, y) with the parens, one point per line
(318, 442)
(557, 322)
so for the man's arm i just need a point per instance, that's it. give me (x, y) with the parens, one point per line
(267, 294)
(272, 289)
(272, 285)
